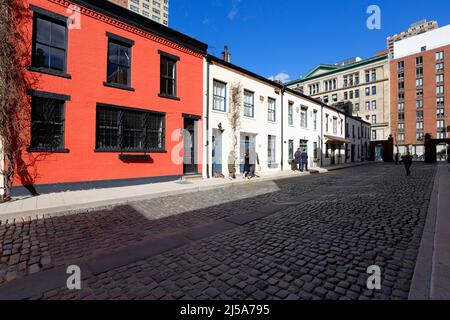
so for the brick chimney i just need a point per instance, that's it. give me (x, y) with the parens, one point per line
(226, 55)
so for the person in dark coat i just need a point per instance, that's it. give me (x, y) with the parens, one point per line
(304, 160)
(298, 158)
(408, 160)
(247, 169)
(397, 158)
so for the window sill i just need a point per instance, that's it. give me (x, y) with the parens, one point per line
(129, 151)
(166, 96)
(118, 86)
(37, 150)
(50, 72)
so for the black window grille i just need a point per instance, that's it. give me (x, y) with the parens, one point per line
(47, 124)
(49, 43)
(168, 77)
(129, 130)
(119, 63)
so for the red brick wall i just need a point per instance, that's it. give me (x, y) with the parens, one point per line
(430, 106)
(87, 62)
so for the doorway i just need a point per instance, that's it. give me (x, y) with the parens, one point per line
(248, 142)
(333, 154)
(190, 166)
(353, 153)
(216, 152)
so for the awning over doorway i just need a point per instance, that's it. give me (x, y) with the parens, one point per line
(335, 139)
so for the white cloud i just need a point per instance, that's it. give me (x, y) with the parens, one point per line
(283, 77)
(235, 6)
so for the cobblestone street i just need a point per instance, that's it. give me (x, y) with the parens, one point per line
(316, 240)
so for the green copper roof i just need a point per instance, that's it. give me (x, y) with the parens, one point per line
(331, 69)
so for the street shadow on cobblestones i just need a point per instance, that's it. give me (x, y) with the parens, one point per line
(318, 249)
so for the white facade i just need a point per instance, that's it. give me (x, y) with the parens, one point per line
(428, 41)
(255, 131)
(302, 129)
(358, 137)
(334, 141)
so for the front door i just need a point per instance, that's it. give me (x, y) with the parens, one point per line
(216, 152)
(333, 154)
(190, 148)
(353, 153)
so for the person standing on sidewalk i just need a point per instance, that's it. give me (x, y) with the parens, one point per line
(298, 159)
(407, 160)
(397, 158)
(304, 161)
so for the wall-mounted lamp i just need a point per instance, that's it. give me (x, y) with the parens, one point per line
(221, 129)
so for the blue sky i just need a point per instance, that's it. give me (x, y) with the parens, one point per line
(290, 37)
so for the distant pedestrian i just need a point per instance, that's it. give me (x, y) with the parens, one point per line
(297, 158)
(408, 160)
(397, 158)
(247, 166)
(304, 161)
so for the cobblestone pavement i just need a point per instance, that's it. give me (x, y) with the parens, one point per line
(316, 249)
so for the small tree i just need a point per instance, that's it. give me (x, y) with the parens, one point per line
(234, 118)
(14, 102)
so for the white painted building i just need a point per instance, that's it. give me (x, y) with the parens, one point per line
(302, 128)
(358, 140)
(260, 118)
(334, 140)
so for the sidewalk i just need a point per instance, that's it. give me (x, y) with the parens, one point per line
(431, 279)
(66, 202)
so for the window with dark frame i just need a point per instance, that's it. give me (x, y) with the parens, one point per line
(168, 76)
(249, 104)
(119, 63)
(49, 43)
(271, 110)
(47, 124)
(122, 129)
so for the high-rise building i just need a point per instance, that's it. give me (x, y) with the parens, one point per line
(420, 95)
(416, 28)
(359, 87)
(157, 10)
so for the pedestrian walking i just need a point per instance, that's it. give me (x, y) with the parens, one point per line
(247, 166)
(304, 161)
(397, 158)
(407, 160)
(297, 158)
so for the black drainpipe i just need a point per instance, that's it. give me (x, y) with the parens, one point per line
(207, 118)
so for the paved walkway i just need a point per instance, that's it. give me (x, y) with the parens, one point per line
(78, 200)
(309, 237)
(432, 274)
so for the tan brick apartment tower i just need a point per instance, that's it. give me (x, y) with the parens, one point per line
(420, 95)
(156, 10)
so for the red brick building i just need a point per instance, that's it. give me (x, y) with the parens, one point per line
(420, 95)
(113, 92)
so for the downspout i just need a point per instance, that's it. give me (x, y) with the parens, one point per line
(207, 118)
(282, 128)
